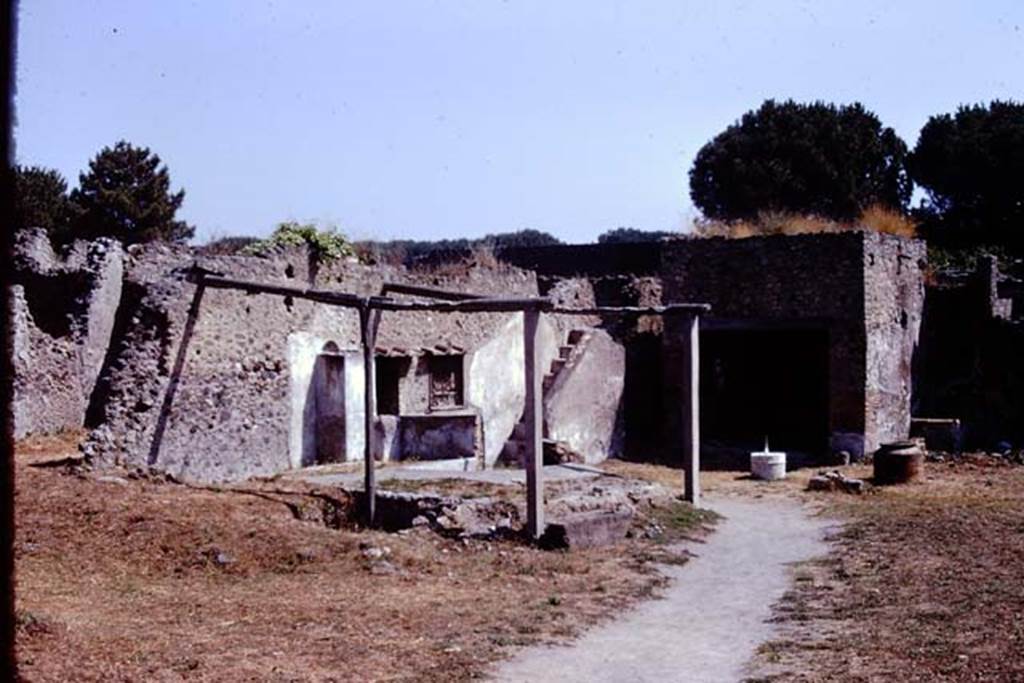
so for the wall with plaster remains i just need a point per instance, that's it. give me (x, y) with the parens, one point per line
(221, 385)
(583, 408)
(214, 384)
(497, 386)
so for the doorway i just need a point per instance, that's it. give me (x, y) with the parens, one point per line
(329, 402)
(765, 383)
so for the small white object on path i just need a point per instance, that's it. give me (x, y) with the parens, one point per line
(713, 615)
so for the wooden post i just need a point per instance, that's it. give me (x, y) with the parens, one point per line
(689, 337)
(534, 421)
(368, 320)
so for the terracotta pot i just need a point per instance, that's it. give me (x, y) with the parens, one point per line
(898, 463)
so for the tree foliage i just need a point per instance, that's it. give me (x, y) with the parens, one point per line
(325, 245)
(623, 235)
(971, 166)
(409, 252)
(520, 238)
(41, 201)
(126, 195)
(801, 158)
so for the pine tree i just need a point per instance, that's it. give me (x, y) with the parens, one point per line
(41, 201)
(801, 158)
(126, 195)
(971, 165)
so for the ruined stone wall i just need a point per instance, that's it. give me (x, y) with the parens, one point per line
(814, 281)
(215, 384)
(969, 365)
(893, 308)
(63, 315)
(865, 289)
(590, 260)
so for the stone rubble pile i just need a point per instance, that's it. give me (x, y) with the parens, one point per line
(836, 481)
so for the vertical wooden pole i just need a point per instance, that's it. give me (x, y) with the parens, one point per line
(368, 320)
(689, 336)
(534, 414)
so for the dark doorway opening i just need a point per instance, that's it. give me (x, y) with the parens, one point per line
(643, 398)
(763, 383)
(329, 397)
(390, 371)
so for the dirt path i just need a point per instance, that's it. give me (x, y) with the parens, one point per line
(713, 615)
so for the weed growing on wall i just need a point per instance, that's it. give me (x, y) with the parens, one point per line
(325, 245)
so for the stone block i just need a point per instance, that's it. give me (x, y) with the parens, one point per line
(938, 434)
(587, 529)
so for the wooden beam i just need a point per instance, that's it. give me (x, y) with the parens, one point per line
(427, 292)
(456, 303)
(320, 295)
(689, 338)
(491, 305)
(534, 422)
(368, 322)
(671, 309)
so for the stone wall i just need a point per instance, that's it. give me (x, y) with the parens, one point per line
(970, 366)
(584, 408)
(590, 260)
(893, 307)
(863, 289)
(497, 386)
(63, 316)
(214, 384)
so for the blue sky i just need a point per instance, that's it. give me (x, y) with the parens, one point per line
(432, 119)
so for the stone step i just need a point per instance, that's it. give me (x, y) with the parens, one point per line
(565, 351)
(576, 336)
(549, 380)
(557, 365)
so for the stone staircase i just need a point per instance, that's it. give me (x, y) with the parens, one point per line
(514, 451)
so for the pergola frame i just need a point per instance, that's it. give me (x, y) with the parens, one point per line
(371, 308)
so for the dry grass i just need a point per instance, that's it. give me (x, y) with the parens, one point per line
(885, 220)
(138, 579)
(876, 218)
(925, 584)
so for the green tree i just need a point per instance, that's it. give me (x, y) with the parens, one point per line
(623, 235)
(814, 158)
(520, 238)
(971, 166)
(126, 195)
(41, 201)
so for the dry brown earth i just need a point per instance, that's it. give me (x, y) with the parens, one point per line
(926, 583)
(123, 578)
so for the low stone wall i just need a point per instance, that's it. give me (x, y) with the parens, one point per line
(440, 436)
